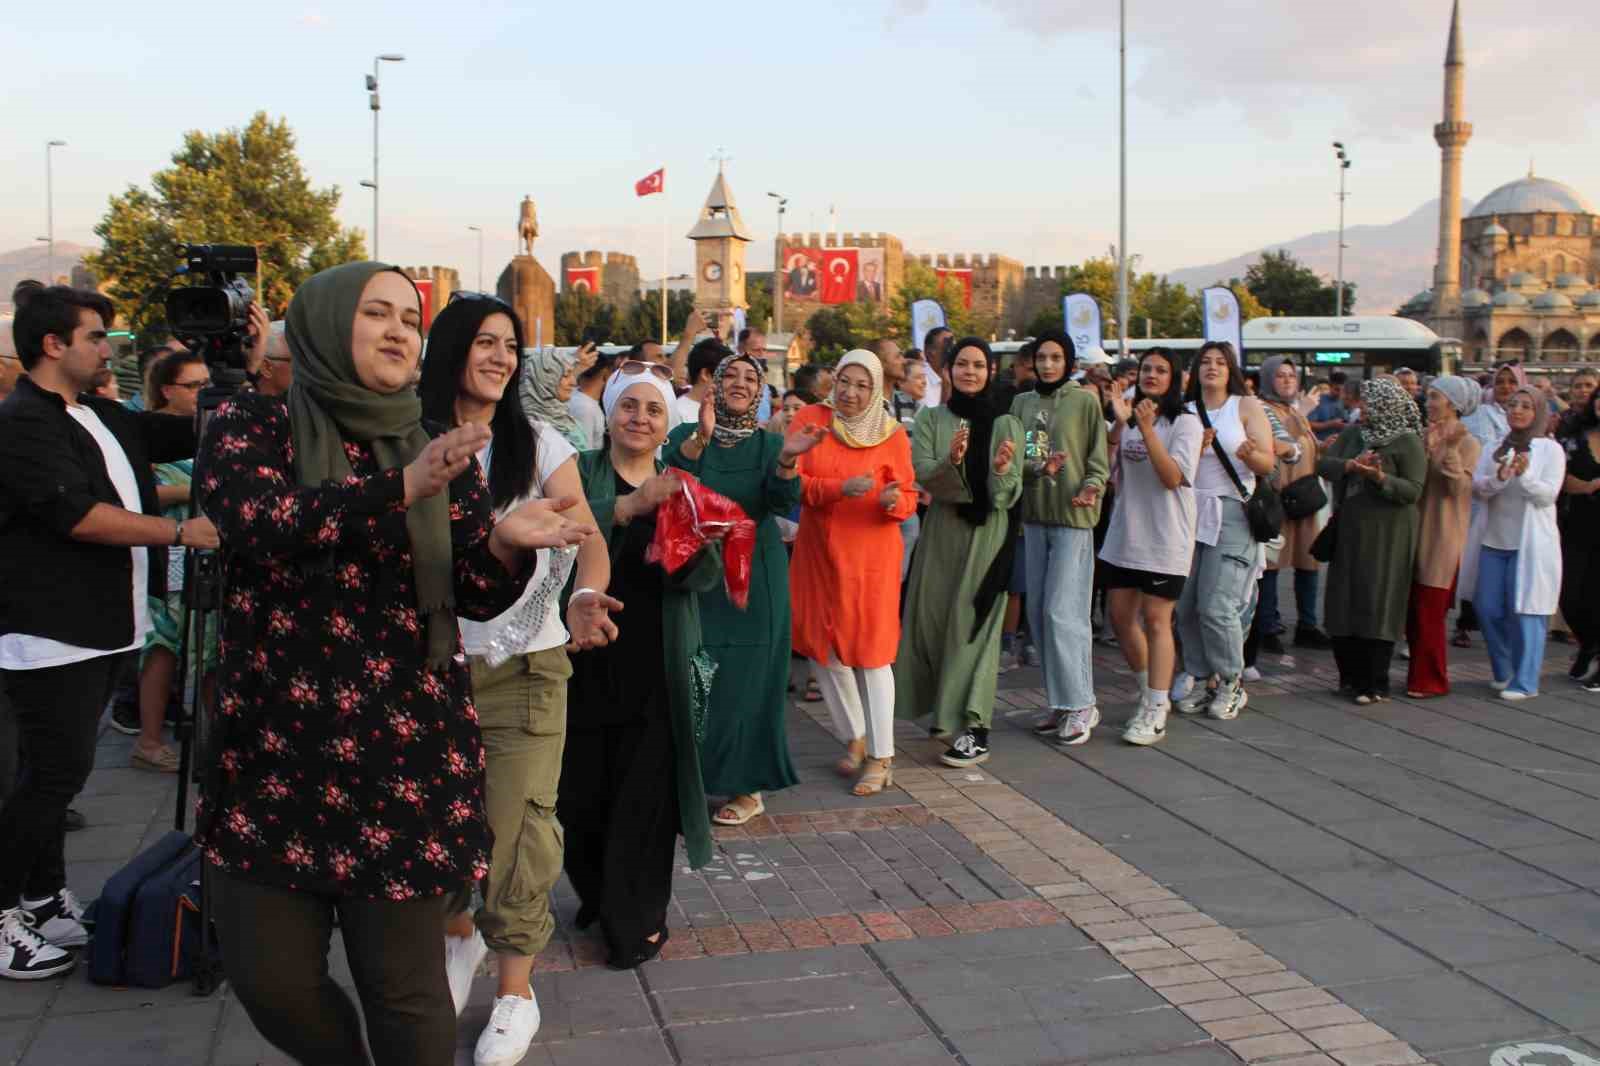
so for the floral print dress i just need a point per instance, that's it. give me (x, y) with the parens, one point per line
(344, 764)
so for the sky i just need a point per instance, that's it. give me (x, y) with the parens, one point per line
(957, 125)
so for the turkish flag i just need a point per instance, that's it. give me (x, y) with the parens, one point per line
(963, 277)
(425, 290)
(838, 275)
(656, 181)
(584, 279)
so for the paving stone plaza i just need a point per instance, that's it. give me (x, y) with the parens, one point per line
(1313, 884)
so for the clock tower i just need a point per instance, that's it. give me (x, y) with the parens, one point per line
(719, 239)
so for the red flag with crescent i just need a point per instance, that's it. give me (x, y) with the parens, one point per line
(584, 279)
(655, 181)
(838, 275)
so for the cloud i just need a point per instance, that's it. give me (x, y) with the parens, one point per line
(1529, 78)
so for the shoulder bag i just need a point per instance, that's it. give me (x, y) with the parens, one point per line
(1263, 510)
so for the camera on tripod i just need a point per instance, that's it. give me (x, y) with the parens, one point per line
(214, 319)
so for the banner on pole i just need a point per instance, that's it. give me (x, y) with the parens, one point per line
(925, 315)
(1221, 314)
(1081, 313)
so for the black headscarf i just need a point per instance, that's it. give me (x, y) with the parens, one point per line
(979, 411)
(1048, 388)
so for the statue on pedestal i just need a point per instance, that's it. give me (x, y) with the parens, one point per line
(527, 225)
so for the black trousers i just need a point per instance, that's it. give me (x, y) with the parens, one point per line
(275, 953)
(8, 746)
(57, 713)
(1363, 664)
(1580, 590)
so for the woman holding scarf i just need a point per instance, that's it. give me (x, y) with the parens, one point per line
(857, 486)
(1280, 392)
(1377, 469)
(745, 750)
(630, 775)
(1446, 510)
(967, 456)
(1513, 556)
(348, 775)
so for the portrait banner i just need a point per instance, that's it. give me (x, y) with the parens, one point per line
(802, 273)
(870, 287)
(838, 275)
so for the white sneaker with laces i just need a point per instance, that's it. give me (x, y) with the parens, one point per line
(1195, 700)
(1078, 726)
(1251, 674)
(1182, 685)
(462, 956)
(27, 956)
(57, 918)
(1230, 698)
(510, 1031)
(1148, 726)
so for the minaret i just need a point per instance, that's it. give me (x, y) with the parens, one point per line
(1452, 136)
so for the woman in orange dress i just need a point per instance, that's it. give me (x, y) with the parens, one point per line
(857, 486)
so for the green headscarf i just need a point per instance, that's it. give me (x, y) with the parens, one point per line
(328, 406)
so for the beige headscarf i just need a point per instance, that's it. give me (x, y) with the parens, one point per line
(873, 425)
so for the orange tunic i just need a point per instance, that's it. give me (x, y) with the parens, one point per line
(844, 580)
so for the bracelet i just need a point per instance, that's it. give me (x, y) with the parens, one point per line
(579, 592)
(177, 534)
(787, 466)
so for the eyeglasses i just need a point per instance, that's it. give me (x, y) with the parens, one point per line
(630, 367)
(192, 386)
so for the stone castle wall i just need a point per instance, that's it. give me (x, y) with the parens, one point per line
(619, 275)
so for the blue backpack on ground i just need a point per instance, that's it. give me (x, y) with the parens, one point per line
(148, 928)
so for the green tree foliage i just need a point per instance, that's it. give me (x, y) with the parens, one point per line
(241, 186)
(1157, 306)
(758, 294)
(642, 321)
(578, 311)
(831, 334)
(1285, 286)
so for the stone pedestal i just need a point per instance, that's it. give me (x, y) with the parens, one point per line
(529, 288)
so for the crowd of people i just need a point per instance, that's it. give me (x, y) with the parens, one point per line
(450, 666)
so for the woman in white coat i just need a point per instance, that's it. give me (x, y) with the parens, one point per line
(1513, 559)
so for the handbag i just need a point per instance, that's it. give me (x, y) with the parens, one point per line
(1327, 541)
(1263, 511)
(1303, 497)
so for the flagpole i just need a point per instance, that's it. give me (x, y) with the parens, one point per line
(1122, 179)
(664, 222)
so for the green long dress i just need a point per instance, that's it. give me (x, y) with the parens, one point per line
(1369, 578)
(745, 748)
(941, 669)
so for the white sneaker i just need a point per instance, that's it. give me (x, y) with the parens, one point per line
(1230, 698)
(1512, 694)
(511, 1029)
(1196, 699)
(1182, 685)
(1251, 674)
(1050, 723)
(57, 918)
(27, 956)
(1078, 726)
(1148, 726)
(462, 957)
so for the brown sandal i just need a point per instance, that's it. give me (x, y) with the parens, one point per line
(878, 776)
(855, 754)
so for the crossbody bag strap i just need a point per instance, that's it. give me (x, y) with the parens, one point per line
(1222, 455)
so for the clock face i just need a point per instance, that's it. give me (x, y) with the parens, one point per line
(712, 271)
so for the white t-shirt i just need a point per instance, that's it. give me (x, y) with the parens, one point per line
(1153, 527)
(935, 393)
(23, 651)
(590, 418)
(551, 449)
(686, 409)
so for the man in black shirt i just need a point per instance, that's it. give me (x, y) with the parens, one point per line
(78, 529)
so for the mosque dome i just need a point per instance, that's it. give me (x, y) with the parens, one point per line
(1552, 301)
(1475, 298)
(1495, 229)
(1530, 194)
(1572, 283)
(1421, 301)
(1521, 279)
(1509, 298)
(1590, 300)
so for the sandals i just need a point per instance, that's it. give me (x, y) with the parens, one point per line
(735, 813)
(855, 754)
(878, 776)
(162, 761)
(813, 693)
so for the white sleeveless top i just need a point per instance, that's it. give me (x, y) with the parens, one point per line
(1212, 484)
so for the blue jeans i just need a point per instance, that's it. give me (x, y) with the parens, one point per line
(1305, 601)
(1516, 641)
(1060, 592)
(1218, 600)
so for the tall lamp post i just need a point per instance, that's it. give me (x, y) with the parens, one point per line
(50, 212)
(1344, 165)
(372, 102)
(479, 231)
(1122, 179)
(777, 268)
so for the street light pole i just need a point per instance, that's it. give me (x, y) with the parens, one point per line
(1122, 179)
(777, 266)
(479, 231)
(1338, 298)
(372, 102)
(50, 213)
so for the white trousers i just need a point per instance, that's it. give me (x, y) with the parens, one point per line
(845, 690)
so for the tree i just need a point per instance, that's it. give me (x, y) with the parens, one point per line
(758, 294)
(921, 283)
(1287, 287)
(642, 322)
(241, 186)
(831, 334)
(578, 312)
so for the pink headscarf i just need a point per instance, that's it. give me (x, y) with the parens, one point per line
(1516, 371)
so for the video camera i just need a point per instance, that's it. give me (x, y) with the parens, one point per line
(213, 319)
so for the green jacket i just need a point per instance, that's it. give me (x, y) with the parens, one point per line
(680, 626)
(1076, 425)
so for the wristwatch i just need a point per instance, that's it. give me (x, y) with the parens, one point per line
(177, 534)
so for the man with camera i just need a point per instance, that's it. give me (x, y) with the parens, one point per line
(78, 522)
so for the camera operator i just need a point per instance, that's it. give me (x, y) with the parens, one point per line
(77, 522)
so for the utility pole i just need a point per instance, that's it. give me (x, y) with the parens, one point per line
(372, 102)
(777, 266)
(1122, 178)
(1344, 165)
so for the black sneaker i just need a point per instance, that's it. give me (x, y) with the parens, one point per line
(1592, 682)
(1311, 637)
(27, 956)
(125, 718)
(1582, 665)
(58, 919)
(970, 749)
(1272, 644)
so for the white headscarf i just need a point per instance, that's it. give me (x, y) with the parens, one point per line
(621, 383)
(873, 425)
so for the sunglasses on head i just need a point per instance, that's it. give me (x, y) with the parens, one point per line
(464, 294)
(630, 367)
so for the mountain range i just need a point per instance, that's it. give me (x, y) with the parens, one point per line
(33, 262)
(1389, 264)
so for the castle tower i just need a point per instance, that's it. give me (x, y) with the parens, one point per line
(719, 239)
(1452, 136)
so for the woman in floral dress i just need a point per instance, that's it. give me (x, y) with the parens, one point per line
(347, 772)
